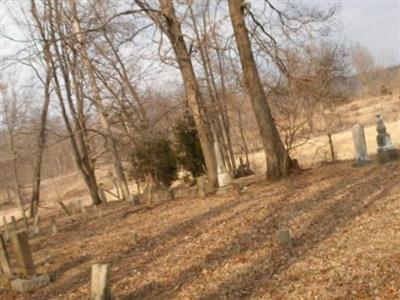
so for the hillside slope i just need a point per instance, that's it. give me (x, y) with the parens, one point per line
(345, 222)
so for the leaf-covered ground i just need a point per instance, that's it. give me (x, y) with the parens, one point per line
(345, 222)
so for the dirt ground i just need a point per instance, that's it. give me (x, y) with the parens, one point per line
(345, 222)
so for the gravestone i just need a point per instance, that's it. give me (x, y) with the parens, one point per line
(28, 279)
(386, 150)
(14, 223)
(99, 286)
(54, 230)
(36, 224)
(23, 254)
(360, 145)
(284, 239)
(224, 178)
(103, 196)
(6, 229)
(4, 259)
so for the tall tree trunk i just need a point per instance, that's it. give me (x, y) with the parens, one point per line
(80, 148)
(278, 162)
(37, 168)
(119, 172)
(174, 33)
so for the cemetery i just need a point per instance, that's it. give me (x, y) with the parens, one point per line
(230, 149)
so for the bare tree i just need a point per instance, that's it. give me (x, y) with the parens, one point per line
(278, 161)
(167, 21)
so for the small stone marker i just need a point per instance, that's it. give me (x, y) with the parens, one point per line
(100, 289)
(23, 254)
(4, 259)
(36, 224)
(54, 230)
(103, 196)
(6, 229)
(360, 145)
(284, 239)
(14, 223)
(224, 178)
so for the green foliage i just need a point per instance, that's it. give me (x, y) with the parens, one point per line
(157, 158)
(190, 155)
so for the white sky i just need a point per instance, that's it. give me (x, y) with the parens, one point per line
(375, 25)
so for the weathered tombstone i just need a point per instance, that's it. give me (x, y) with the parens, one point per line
(360, 145)
(99, 287)
(6, 229)
(26, 225)
(14, 223)
(284, 239)
(4, 260)
(386, 150)
(23, 254)
(103, 196)
(201, 186)
(36, 224)
(54, 230)
(224, 178)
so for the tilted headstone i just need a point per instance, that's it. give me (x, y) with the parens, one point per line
(284, 239)
(23, 254)
(54, 230)
(386, 149)
(103, 196)
(14, 223)
(224, 178)
(6, 229)
(360, 145)
(99, 286)
(36, 224)
(4, 259)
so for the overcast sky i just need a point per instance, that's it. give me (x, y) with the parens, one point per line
(375, 25)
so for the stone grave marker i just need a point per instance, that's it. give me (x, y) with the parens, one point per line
(6, 229)
(4, 259)
(284, 239)
(224, 178)
(14, 223)
(36, 224)
(99, 286)
(54, 230)
(28, 279)
(103, 196)
(386, 150)
(360, 145)
(23, 254)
